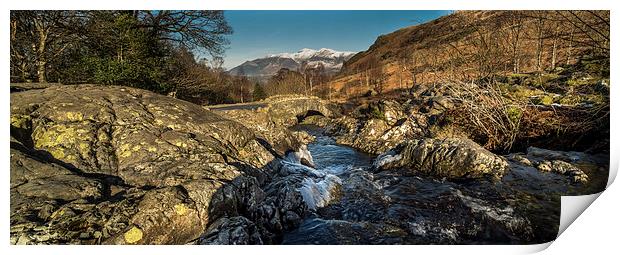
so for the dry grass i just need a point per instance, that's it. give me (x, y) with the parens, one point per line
(498, 122)
(484, 109)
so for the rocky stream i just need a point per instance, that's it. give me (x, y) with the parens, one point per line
(116, 165)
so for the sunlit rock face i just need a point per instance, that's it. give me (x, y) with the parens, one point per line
(94, 164)
(135, 134)
(451, 158)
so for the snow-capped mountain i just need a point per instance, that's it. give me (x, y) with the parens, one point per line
(263, 67)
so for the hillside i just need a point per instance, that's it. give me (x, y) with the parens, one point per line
(469, 45)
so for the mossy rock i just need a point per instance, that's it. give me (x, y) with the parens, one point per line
(543, 100)
(569, 100)
(541, 81)
(522, 92)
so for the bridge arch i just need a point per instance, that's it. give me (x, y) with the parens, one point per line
(302, 116)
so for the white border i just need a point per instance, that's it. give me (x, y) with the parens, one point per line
(595, 221)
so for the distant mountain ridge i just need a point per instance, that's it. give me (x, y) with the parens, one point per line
(331, 60)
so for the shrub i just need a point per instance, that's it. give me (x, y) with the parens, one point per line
(486, 114)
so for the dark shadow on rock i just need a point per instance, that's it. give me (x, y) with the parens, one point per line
(257, 207)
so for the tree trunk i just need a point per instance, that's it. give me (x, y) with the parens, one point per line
(541, 41)
(554, 53)
(41, 63)
(400, 79)
(539, 57)
(515, 56)
(41, 50)
(570, 46)
(367, 80)
(555, 48)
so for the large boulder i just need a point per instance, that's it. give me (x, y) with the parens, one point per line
(443, 158)
(142, 137)
(116, 165)
(234, 230)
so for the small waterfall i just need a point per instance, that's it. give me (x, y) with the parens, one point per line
(319, 186)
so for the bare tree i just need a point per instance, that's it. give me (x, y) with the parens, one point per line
(48, 35)
(540, 17)
(402, 61)
(592, 27)
(516, 29)
(197, 30)
(554, 42)
(569, 50)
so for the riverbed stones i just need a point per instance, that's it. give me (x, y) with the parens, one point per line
(450, 158)
(561, 167)
(374, 135)
(566, 163)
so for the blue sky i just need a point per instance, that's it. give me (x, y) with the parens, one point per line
(259, 33)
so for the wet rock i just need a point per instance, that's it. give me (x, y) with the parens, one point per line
(450, 158)
(301, 155)
(283, 200)
(504, 217)
(551, 155)
(521, 159)
(307, 163)
(568, 163)
(561, 167)
(303, 136)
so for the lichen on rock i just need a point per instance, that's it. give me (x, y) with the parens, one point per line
(130, 166)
